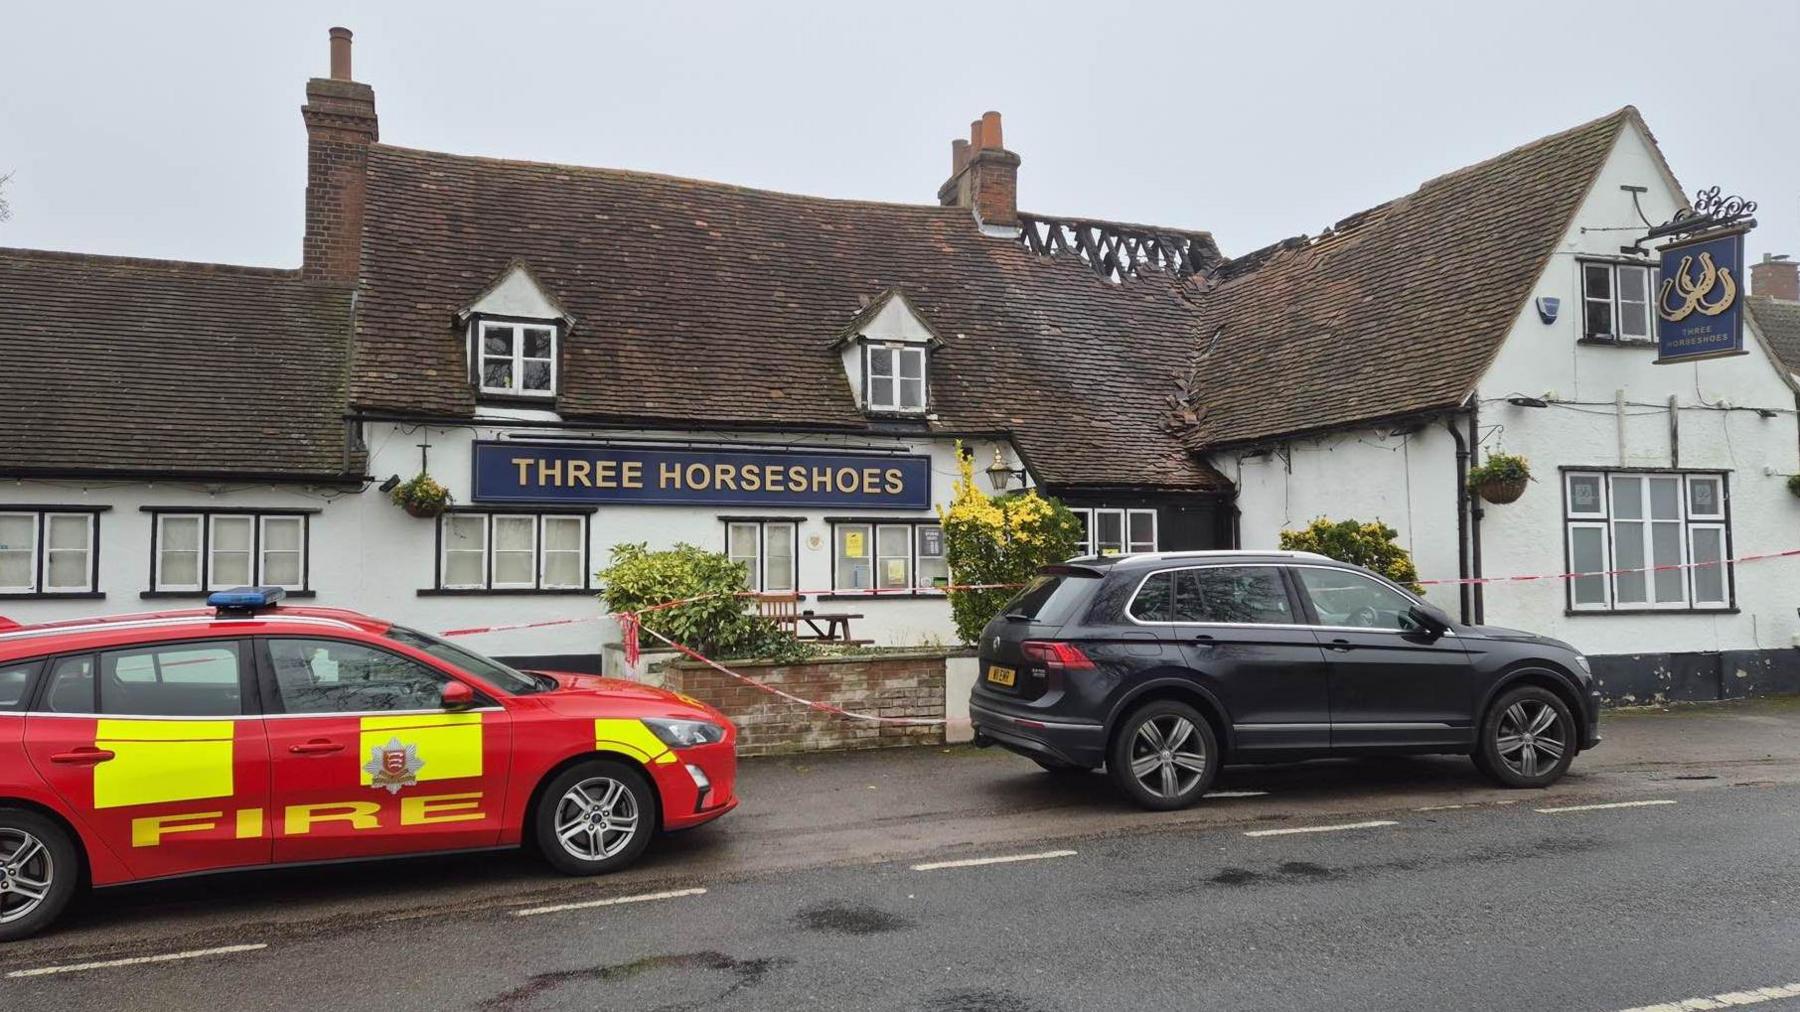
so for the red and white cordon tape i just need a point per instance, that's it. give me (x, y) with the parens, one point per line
(1758, 557)
(631, 624)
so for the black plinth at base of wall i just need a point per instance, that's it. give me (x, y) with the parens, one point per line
(1636, 679)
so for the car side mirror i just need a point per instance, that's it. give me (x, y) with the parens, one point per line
(1432, 620)
(457, 696)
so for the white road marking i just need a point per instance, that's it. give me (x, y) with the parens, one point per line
(610, 901)
(1376, 824)
(136, 960)
(1730, 999)
(1445, 808)
(1596, 808)
(972, 862)
(1236, 794)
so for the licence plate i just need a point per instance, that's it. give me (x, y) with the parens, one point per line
(1001, 676)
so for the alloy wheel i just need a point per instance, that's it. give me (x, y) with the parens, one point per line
(1530, 739)
(596, 818)
(26, 873)
(1167, 757)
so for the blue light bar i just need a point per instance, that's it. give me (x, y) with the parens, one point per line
(245, 598)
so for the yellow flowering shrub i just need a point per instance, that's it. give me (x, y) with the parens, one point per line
(998, 539)
(1369, 545)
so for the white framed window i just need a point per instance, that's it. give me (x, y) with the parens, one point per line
(1110, 531)
(1615, 301)
(217, 550)
(18, 553)
(1646, 541)
(282, 558)
(179, 566)
(894, 377)
(895, 556)
(767, 552)
(564, 555)
(516, 359)
(465, 541)
(47, 551)
(933, 563)
(515, 552)
(482, 551)
(69, 552)
(231, 543)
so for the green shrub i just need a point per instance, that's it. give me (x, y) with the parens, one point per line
(1794, 483)
(999, 539)
(720, 625)
(1371, 546)
(1499, 467)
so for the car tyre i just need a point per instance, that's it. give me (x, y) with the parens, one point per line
(595, 817)
(1164, 755)
(1528, 738)
(40, 868)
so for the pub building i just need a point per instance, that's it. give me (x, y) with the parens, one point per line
(592, 357)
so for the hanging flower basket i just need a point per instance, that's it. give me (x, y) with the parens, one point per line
(422, 496)
(1501, 479)
(1501, 491)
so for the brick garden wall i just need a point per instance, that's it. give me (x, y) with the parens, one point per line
(886, 685)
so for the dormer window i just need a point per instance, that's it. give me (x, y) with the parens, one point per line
(516, 359)
(887, 350)
(896, 377)
(515, 332)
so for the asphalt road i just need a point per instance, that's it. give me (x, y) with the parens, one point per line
(812, 897)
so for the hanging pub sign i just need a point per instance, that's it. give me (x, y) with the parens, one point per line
(1700, 300)
(560, 473)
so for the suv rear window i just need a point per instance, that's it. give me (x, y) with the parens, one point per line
(1050, 597)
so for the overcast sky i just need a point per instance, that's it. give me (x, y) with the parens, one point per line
(173, 130)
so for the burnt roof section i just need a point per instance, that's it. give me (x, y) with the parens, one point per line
(128, 366)
(1394, 311)
(708, 304)
(1779, 321)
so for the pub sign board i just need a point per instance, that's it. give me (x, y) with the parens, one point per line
(1700, 299)
(576, 475)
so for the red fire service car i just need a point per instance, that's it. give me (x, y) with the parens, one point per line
(142, 746)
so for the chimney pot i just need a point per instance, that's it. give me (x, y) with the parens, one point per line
(340, 54)
(959, 155)
(974, 136)
(990, 130)
(1776, 277)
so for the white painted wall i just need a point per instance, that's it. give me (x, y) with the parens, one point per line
(370, 556)
(1408, 480)
(1582, 429)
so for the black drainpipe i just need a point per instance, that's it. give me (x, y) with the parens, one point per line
(1475, 512)
(1462, 516)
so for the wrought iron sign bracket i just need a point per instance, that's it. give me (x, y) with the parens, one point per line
(1710, 212)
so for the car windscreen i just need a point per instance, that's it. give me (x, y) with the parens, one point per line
(499, 675)
(1050, 597)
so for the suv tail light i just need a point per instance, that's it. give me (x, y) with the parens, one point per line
(1056, 655)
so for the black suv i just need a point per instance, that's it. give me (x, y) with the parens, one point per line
(1161, 667)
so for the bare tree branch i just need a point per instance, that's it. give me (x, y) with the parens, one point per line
(5, 208)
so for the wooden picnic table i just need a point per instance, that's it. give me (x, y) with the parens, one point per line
(836, 625)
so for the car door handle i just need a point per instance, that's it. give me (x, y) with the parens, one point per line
(82, 757)
(1203, 640)
(1340, 645)
(317, 746)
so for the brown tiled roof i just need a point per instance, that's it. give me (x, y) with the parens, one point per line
(1397, 310)
(708, 304)
(1779, 321)
(116, 365)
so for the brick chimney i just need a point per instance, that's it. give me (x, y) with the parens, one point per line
(984, 176)
(340, 126)
(1776, 276)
